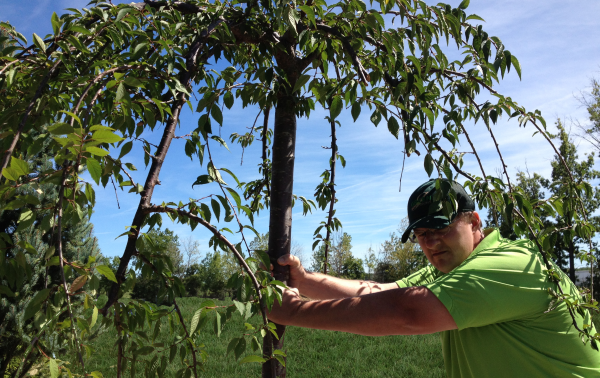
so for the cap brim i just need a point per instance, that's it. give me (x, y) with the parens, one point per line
(431, 221)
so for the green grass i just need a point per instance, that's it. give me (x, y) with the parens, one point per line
(311, 353)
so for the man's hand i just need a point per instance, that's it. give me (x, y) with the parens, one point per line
(290, 300)
(297, 272)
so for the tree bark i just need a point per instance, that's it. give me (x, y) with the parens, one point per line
(572, 261)
(280, 223)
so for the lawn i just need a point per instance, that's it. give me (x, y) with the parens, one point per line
(311, 353)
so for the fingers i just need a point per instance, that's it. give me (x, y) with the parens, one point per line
(288, 260)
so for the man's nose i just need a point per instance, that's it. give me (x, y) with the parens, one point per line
(431, 241)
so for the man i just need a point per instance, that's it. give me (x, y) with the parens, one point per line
(486, 295)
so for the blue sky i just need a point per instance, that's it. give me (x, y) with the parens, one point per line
(555, 42)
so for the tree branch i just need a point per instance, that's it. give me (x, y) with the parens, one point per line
(362, 73)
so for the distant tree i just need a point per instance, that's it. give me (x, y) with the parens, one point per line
(340, 251)
(191, 251)
(591, 131)
(532, 188)
(162, 247)
(353, 268)
(398, 260)
(583, 173)
(208, 278)
(371, 262)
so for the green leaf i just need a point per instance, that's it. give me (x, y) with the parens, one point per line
(96, 151)
(55, 23)
(5, 291)
(301, 81)
(53, 366)
(393, 126)
(218, 324)
(143, 351)
(79, 29)
(10, 174)
(309, 13)
(94, 317)
(240, 307)
(231, 174)
(95, 170)
(39, 42)
(35, 303)
(240, 348)
(428, 164)
(336, 107)
(133, 82)
(217, 114)
(202, 179)
(195, 320)
(430, 115)
(464, 4)
(252, 358)
(236, 197)
(372, 21)
(106, 272)
(125, 149)
(516, 64)
(105, 136)
(121, 92)
(355, 111)
(122, 13)
(376, 117)
(19, 166)
(61, 128)
(228, 99)
(232, 344)
(216, 208)
(220, 140)
(474, 17)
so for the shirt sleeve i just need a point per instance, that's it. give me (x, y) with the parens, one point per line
(420, 277)
(493, 287)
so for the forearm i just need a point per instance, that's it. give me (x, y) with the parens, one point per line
(321, 286)
(395, 312)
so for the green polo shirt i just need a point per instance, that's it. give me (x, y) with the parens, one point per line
(499, 299)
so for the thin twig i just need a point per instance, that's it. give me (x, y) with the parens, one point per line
(229, 201)
(116, 195)
(62, 266)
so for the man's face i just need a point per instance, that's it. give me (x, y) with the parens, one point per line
(448, 248)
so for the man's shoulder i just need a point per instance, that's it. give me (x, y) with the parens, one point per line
(497, 254)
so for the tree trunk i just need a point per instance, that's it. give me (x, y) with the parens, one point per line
(572, 261)
(280, 223)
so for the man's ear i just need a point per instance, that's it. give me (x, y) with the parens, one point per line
(475, 221)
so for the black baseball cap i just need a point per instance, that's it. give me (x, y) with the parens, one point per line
(426, 205)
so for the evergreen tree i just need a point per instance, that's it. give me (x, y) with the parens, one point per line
(22, 281)
(583, 172)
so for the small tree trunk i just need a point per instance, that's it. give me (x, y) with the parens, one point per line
(280, 223)
(572, 261)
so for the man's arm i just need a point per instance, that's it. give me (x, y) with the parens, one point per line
(321, 286)
(402, 311)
